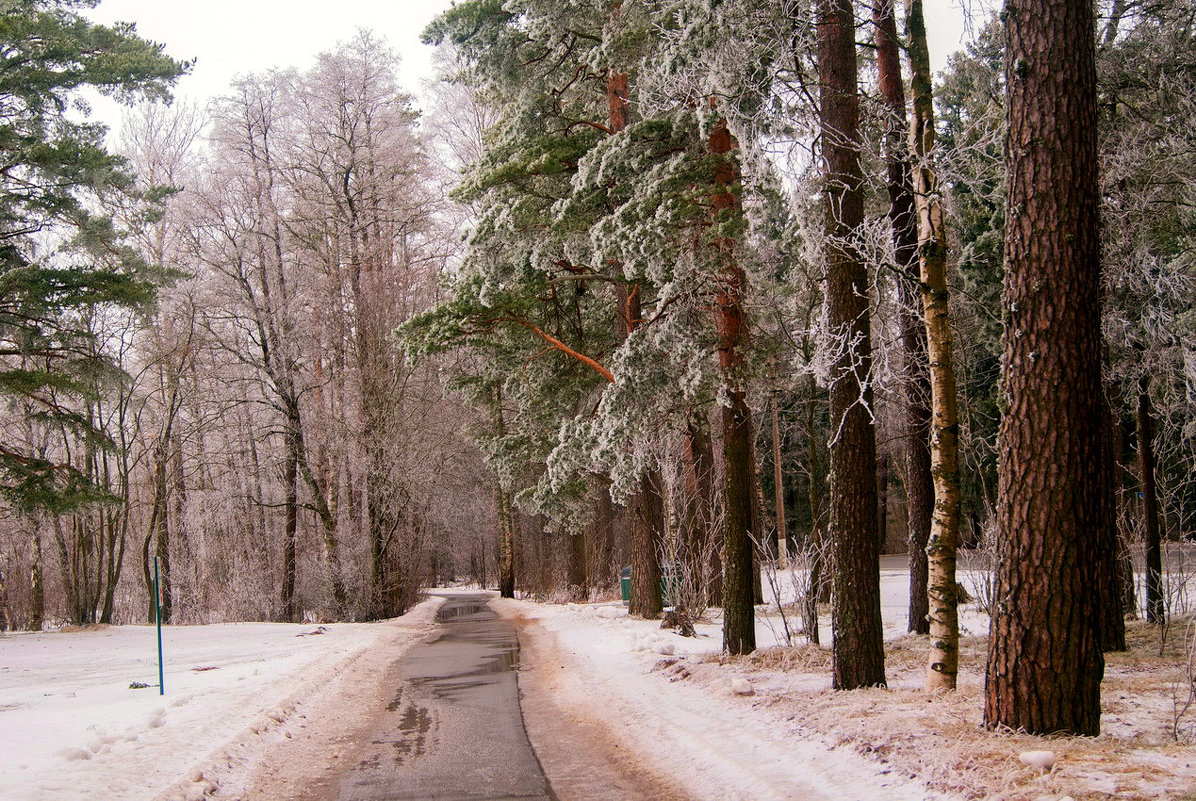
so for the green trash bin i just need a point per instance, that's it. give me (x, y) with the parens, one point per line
(670, 583)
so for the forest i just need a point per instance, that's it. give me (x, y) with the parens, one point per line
(706, 288)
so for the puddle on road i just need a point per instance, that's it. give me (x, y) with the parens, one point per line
(452, 693)
(471, 635)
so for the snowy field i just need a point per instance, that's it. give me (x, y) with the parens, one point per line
(71, 726)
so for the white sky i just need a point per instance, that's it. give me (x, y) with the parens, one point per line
(233, 37)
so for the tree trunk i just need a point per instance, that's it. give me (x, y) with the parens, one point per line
(779, 486)
(882, 500)
(815, 547)
(6, 621)
(579, 576)
(1110, 584)
(818, 546)
(162, 537)
(704, 550)
(1044, 661)
(602, 538)
(37, 584)
(858, 652)
(506, 543)
(915, 385)
(506, 516)
(942, 591)
(290, 530)
(739, 471)
(1151, 531)
(646, 513)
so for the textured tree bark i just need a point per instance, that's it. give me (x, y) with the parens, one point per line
(1044, 661)
(1110, 584)
(882, 500)
(704, 552)
(506, 543)
(6, 621)
(858, 652)
(739, 611)
(915, 420)
(602, 538)
(646, 519)
(941, 588)
(1155, 608)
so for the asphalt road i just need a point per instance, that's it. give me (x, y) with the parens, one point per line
(454, 730)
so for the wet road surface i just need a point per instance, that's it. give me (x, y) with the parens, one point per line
(454, 730)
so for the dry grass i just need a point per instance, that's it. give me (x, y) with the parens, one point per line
(941, 740)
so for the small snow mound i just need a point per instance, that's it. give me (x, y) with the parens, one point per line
(157, 719)
(610, 612)
(74, 754)
(1043, 760)
(741, 686)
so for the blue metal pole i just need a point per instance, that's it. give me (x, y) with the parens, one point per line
(158, 620)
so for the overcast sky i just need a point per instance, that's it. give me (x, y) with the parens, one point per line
(233, 37)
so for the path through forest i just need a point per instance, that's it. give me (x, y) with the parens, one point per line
(442, 720)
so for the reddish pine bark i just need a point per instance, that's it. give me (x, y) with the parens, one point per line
(739, 620)
(1044, 661)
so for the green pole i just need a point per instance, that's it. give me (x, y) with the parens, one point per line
(158, 621)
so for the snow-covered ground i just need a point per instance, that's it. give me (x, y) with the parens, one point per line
(72, 727)
(768, 726)
(265, 711)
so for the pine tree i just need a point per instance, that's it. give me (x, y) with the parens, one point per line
(858, 639)
(1045, 663)
(57, 254)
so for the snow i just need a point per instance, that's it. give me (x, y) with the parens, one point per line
(265, 711)
(769, 726)
(711, 735)
(72, 728)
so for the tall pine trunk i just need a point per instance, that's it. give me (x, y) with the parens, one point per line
(1044, 661)
(739, 611)
(915, 389)
(858, 652)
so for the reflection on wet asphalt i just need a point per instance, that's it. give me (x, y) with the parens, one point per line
(454, 731)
